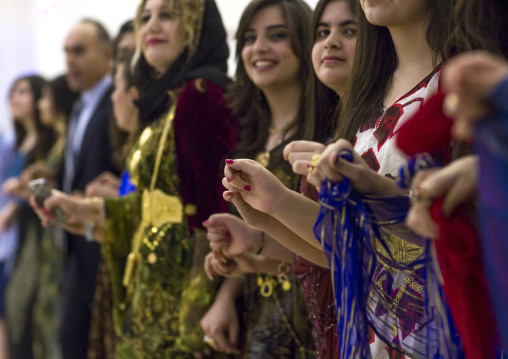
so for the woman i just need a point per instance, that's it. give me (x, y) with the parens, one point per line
(400, 65)
(126, 115)
(334, 37)
(182, 56)
(272, 43)
(33, 142)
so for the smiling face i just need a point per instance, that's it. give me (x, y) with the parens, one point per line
(22, 101)
(394, 13)
(267, 54)
(162, 34)
(333, 52)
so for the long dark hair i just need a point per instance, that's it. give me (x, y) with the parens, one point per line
(248, 104)
(375, 63)
(479, 25)
(63, 96)
(322, 101)
(45, 135)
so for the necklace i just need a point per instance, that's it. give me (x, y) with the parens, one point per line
(274, 130)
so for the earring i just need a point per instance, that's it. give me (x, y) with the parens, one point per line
(283, 277)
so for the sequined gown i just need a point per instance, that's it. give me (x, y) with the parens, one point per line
(157, 314)
(277, 325)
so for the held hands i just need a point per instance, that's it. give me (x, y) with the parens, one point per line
(364, 179)
(469, 80)
(231, 235)
(257, 186)
(457, 182)
(217, 263)
(299, 154)
(104, 185)
(221, 325)
(77, 209)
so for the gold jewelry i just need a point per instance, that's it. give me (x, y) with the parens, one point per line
(450, 104)
(421, 195)
(266, 285)
(284, 269)
(274, 130)
(208, 340)
(263, 158)
(313, 161)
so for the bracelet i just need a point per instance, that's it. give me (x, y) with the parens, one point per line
(262, 243)
(89, 229)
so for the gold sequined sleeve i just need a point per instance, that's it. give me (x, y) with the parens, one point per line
(196, 299)
(122, 219)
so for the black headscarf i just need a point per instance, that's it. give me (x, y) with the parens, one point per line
(209, 62)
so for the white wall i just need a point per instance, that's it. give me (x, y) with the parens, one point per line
(32, 33)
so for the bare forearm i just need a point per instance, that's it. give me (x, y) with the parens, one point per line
(281, 243)
(299, 214)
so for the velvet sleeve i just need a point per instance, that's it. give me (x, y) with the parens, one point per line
(122, 220)
(205, 134)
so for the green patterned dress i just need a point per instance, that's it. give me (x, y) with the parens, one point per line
(157, 313)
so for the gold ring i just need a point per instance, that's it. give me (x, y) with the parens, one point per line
(420, 194)
(313, 162)
(450, 104)
(208, 340)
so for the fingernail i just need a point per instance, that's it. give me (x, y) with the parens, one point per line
(228, 240)
(308, 166)
(206, 223)
(247, 188)
(228, 179)
(229, 194)
(230, 162)
(224, 230)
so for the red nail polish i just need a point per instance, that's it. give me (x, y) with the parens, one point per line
(224, 230)
(229, 194)
(228, 179)
(206, 223)
(247, 188)
(230, 162)
(228, 240)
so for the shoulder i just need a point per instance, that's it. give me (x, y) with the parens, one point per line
(201, 90)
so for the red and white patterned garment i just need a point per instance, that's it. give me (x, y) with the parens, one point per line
(375, 142)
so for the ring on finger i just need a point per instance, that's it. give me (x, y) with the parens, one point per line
(209, 340)
(420, 194)
(313, 162)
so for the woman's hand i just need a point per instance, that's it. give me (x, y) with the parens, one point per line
(231, 235)
(469, 80)
(221, 325)
(78, 211)
(457, 182)
(38, 170)
(258, 187)
(299, 154)
(14, 187)
(364, 179)
(8, 215)
(217, 263)
(105, 185)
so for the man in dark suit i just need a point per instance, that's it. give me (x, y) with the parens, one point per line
(88, 153)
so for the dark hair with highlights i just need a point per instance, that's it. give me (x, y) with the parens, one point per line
(45, 135)
(376, 61)
(248, 104)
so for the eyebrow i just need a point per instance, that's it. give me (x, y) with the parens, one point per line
(341, 24)
(271, 27)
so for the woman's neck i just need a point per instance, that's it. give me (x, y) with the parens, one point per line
(31, 137)
(283, 104)
(415, 59)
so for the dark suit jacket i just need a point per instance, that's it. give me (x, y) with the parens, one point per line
(95, 158)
